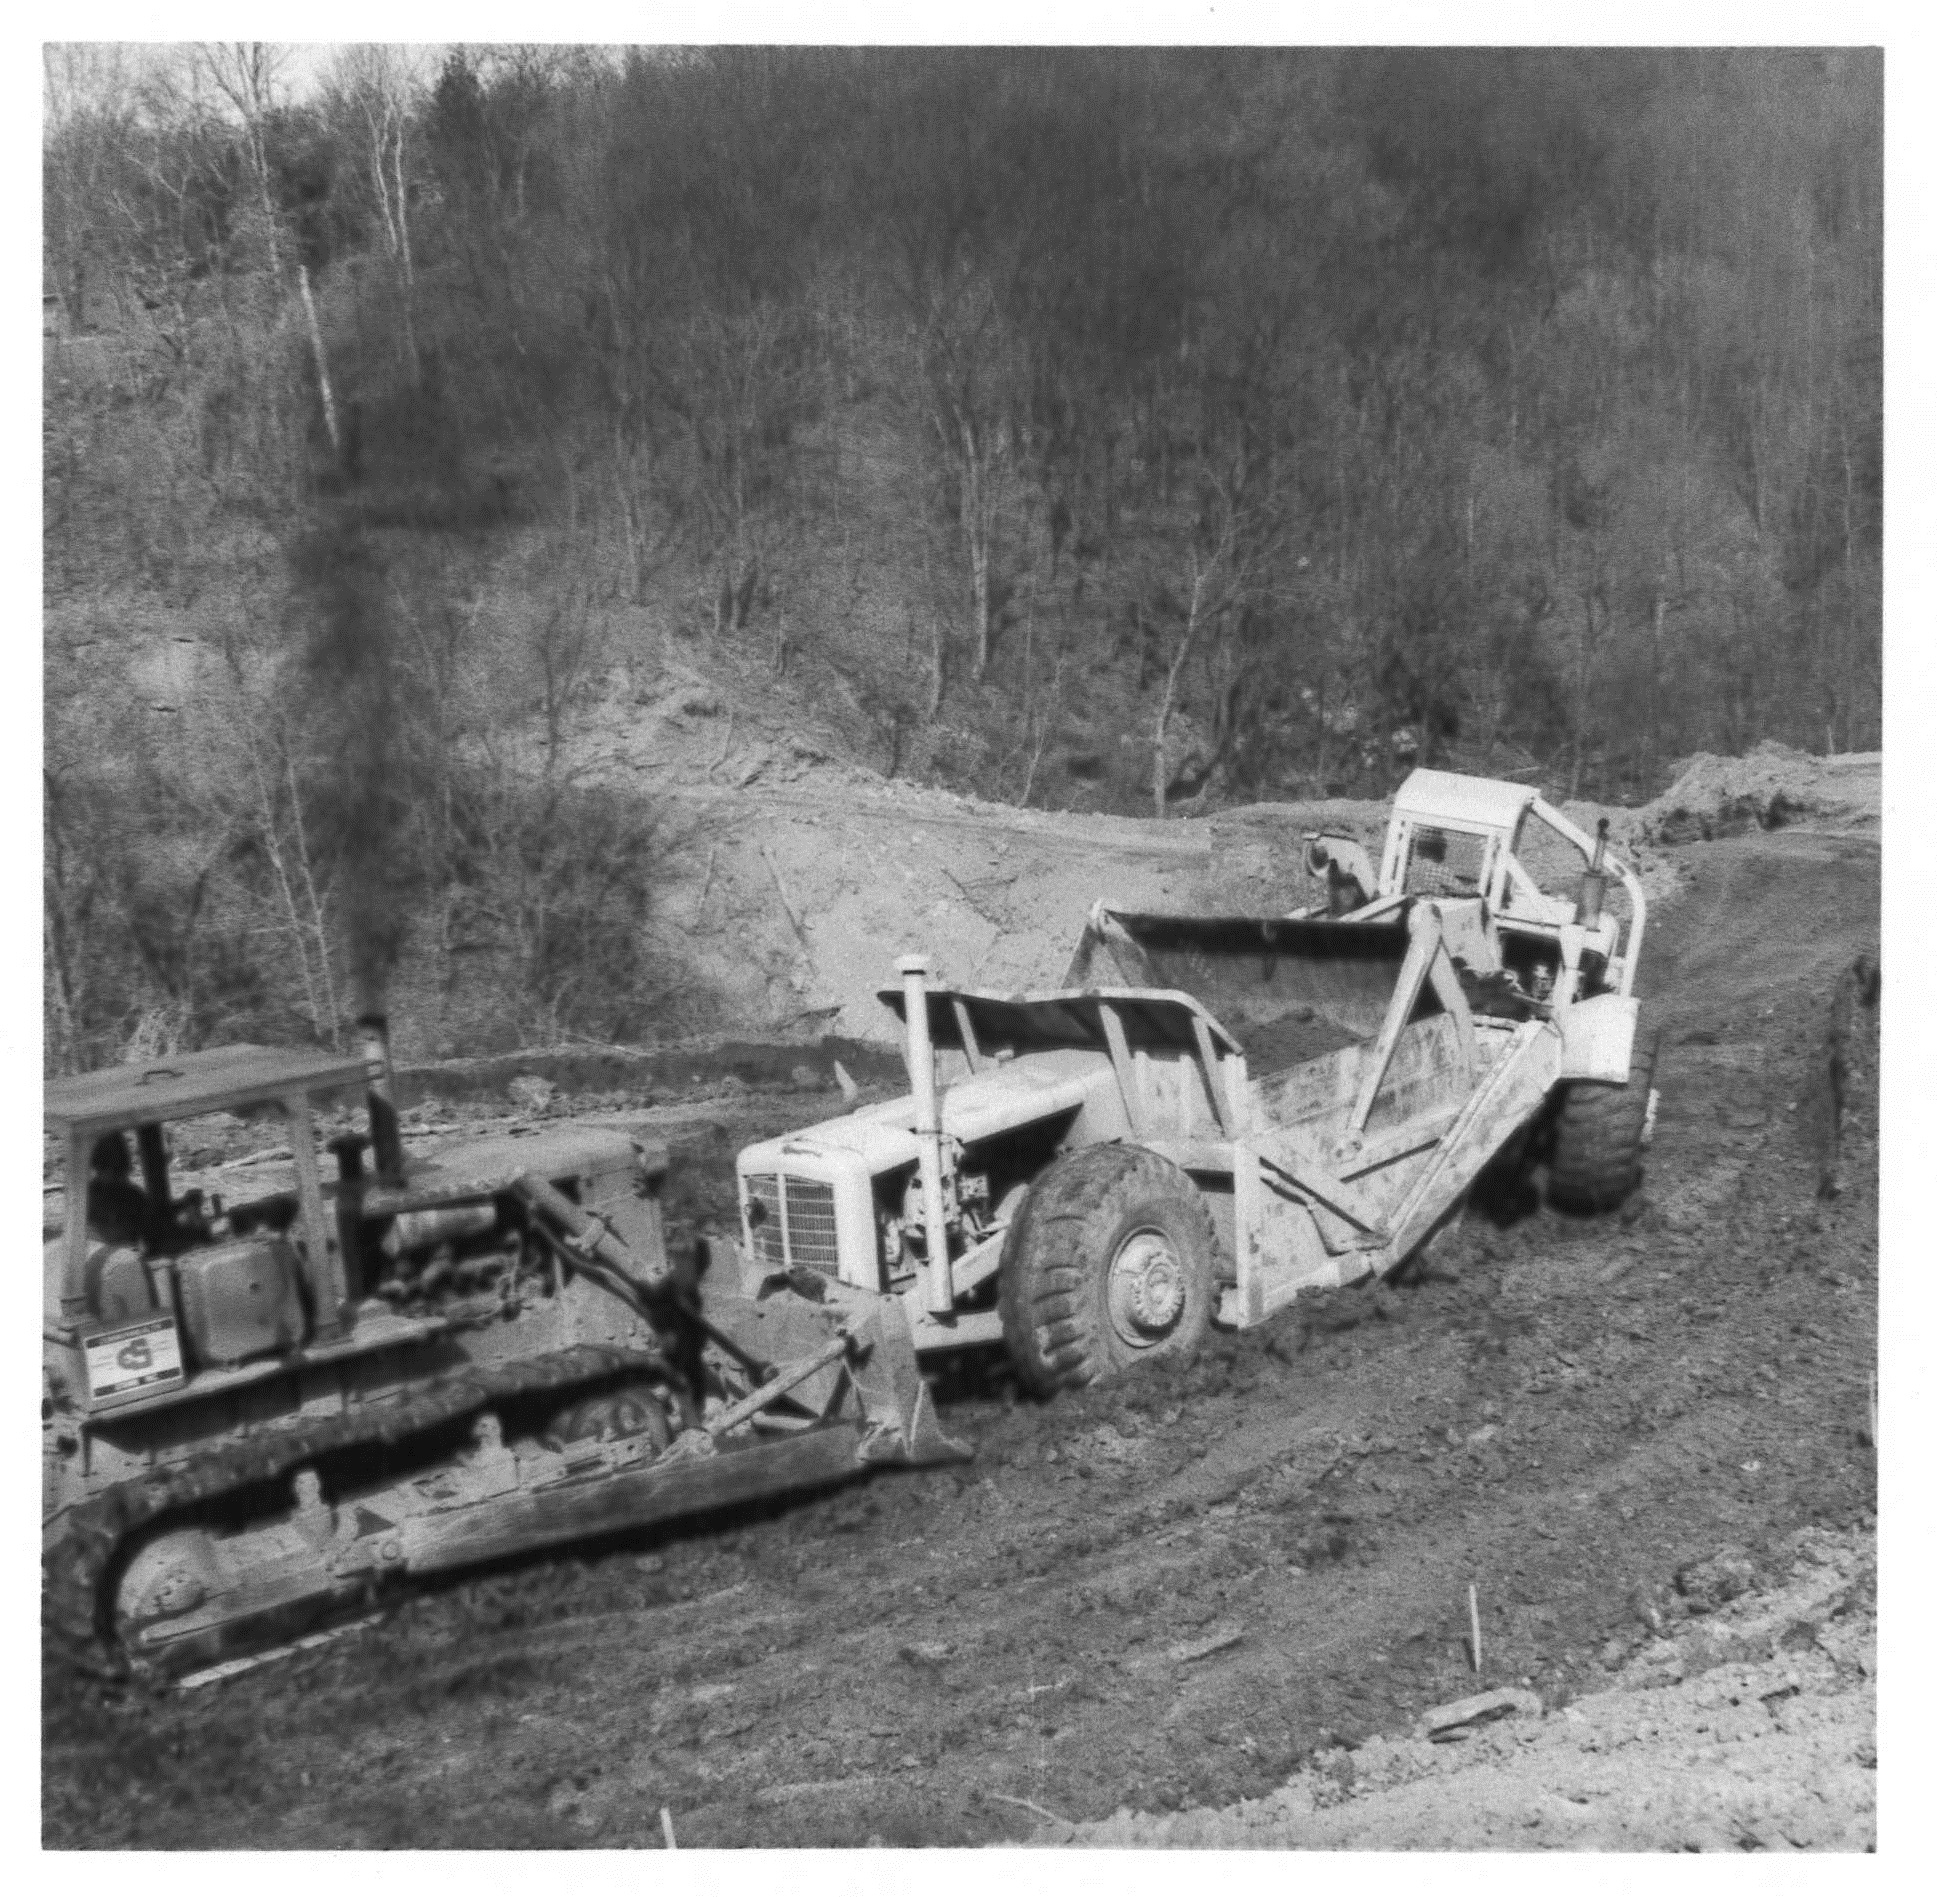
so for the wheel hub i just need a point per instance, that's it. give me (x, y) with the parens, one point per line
(1146, 1289)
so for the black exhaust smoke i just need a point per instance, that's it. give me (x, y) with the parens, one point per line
(393, 496)
(352, 708)
(360, 799)
(386, 1142)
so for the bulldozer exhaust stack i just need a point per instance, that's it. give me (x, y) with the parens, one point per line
(386, 1141)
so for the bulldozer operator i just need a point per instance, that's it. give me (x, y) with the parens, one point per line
(118, 1211)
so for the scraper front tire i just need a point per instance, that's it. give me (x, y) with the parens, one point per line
(1600, 1137)
(1111, 1263)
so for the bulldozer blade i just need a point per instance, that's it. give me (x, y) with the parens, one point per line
(896, 1424)
(922, 1444)
(662, 1490)
(879, 1373)
(887, 1380)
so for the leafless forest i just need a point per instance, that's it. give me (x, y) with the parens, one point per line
(1101, 430)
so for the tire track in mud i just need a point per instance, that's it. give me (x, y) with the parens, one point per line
(1563, 1412)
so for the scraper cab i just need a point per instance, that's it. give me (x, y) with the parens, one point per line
(1212, 1113)
(1470, 839)
(272, 1395)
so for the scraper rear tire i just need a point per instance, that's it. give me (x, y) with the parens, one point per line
(1110, 1264)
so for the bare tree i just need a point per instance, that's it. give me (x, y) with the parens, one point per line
(1242, 593)
(247, 74)
(87, 103)
(1219, 561)
(961, 364)
(376, 88)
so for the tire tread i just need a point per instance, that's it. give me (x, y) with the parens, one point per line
(1597, 1157)
(1050, 1317)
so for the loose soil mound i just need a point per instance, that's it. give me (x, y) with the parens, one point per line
(1774, 785)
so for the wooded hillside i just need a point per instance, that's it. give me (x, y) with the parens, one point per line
(1102, 429)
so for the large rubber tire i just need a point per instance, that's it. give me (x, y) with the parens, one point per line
(1111, 1263)
(1598, 1137)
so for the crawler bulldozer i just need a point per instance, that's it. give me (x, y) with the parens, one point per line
(265, 1408)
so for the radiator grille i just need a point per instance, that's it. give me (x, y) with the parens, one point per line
(808, 1235)
(1444, 862)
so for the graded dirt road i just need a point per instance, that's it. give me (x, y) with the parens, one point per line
(1173, 1594)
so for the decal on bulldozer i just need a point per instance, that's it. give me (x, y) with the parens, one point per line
(135, 1360)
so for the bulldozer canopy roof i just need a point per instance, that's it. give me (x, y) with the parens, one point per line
(217, 1079)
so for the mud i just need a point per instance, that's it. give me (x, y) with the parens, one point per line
(1175, 1595)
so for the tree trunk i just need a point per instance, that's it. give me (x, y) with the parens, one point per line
(1580, 692)
(404, 258)
(1160, 769)
(1851, 635)
(938, 640)
(975, 540)
(59, 985)
(625, 478)
(322, 360)
(1654, 685)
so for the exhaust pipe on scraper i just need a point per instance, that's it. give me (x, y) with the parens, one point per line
(938, 1290)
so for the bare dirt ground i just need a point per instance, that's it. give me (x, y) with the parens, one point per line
(1243, 1581)
(791, 879)
(1754, 1731)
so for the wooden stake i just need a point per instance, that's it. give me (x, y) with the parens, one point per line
(1027, 1804)
(666, 1825)
(1473, 1615)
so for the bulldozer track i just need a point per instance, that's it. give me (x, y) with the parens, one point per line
(81, 1546)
